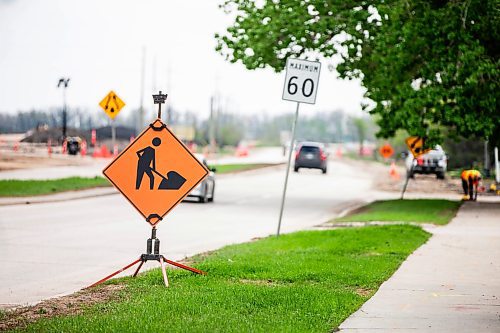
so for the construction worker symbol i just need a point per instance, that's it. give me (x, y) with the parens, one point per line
(155, 172)
(146, 165)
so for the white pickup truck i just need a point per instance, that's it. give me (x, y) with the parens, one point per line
(433, 162)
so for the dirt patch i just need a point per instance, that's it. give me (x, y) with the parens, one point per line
(13, 161)
(420, 184)
(196, 258)
(364, 292)
(66, 305)
(259, 282)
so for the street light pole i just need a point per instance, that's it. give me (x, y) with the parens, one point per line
(63, 82)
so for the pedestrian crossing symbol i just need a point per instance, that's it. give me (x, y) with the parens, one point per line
(155, 172)
(112, 104)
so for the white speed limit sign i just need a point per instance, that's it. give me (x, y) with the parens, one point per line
(301, 82)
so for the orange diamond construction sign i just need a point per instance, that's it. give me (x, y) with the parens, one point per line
(155, 172)
(386, 151)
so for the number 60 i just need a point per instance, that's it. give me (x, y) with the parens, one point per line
(292, 87)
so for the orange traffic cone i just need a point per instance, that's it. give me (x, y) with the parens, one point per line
(64, 146)
(49, 147)
(394, 172)
(339, 152)
(83, 149)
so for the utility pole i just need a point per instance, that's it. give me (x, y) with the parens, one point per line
(486, 159)
(169, 90)
(63, 83)
(497, 167)
(140, 119)
(211, 129)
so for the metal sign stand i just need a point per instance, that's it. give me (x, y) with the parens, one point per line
(406, 183)
(288, 168)
(153, 243)
(152, 253)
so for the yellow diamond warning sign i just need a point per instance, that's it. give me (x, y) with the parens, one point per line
(155, 172)
(112, 104)
(416, 145)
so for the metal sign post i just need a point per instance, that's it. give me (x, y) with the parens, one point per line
(405, 185)
(282, 207)
(497, 167)
(112, 105)
(64, 82)
(301, 86)
(113, 134)
(155, 173)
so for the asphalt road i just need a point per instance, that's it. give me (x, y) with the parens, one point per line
(51, 249)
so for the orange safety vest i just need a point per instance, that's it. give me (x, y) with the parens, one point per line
(474, 174)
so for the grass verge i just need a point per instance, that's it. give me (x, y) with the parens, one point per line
(228, 168)
(434, 211)
(22, 188)
(302, 282)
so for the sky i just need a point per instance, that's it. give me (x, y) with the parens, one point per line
(100, 46)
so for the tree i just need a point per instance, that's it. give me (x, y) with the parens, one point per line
(361, 129)
(427, 64)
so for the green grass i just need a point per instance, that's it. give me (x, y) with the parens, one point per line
(420, 210)
(455, 173)
(20, 188)
(302, 282)
(23, 188)
(228, 168)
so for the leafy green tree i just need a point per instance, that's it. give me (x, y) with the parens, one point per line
(361, 129)
(427, 64)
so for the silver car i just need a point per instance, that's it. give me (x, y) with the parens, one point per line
(205, 191)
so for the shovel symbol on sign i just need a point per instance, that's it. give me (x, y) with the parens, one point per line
(147, 165)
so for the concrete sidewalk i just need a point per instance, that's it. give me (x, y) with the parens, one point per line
(450, 284)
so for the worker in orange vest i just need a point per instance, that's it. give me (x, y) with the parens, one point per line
(470, 182)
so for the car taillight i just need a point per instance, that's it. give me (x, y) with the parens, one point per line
(420, 161)
(322, 155)
(297, 154)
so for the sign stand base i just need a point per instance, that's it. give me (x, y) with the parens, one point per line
(150, 255)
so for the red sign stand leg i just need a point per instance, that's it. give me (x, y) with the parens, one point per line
(115, 273)
(151, 256)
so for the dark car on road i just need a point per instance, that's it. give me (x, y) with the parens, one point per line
(310, 155)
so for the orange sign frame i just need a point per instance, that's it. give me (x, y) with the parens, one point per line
(155, 172)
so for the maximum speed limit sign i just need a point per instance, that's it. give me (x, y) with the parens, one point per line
(301, 82)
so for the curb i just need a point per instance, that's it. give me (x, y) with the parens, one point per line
(58, 197)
